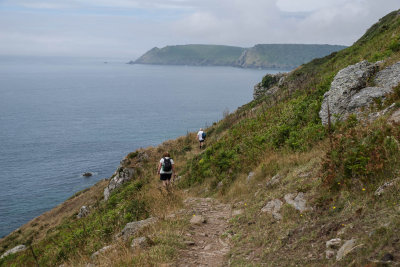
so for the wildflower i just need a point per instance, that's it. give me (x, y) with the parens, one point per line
(194, 215)
(338, 183)
(363, 189)
(333, 207)
(245, 204)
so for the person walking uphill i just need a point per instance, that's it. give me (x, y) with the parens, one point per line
(201, 135)
(166, 169)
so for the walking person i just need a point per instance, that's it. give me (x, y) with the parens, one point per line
(166, 169)
(201, 136)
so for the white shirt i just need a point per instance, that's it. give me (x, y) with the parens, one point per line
(162, 162)
(200, 135)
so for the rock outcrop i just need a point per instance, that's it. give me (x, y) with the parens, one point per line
(83, 212)
(349, 92)
(121, 176)
(13, 251)
(269, 85)
(298, 201)
(273, 207)
(133, 227)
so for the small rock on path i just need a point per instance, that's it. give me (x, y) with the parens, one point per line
(209, 248)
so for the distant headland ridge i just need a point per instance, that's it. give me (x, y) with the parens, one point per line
(272, 56)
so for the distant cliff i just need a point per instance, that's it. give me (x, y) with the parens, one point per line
(279, 56)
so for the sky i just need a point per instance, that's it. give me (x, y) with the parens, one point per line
(128, 28)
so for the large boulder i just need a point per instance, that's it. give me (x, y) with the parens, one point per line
(121, 176)
(133, 227)
(349, 93)
(13, 251)
(347, 82)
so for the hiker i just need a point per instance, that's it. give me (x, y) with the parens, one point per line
(201, 135)
(166, 169)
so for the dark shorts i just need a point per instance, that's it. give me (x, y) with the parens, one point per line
(165, 176)
(201, 141)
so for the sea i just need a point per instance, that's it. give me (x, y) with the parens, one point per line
(61, 117)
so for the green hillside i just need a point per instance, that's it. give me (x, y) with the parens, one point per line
(283, 56)
(286, 56)
(272, 148)
(195, 55)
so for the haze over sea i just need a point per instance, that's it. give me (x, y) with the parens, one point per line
(61, 117)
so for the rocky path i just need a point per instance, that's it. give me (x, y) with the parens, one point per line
(204, 244)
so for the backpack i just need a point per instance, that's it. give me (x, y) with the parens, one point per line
(204, 135)
(167, 166)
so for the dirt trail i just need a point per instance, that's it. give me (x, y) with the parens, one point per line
(205, 246)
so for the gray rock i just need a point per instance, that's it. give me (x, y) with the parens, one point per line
(274, 180)
(389, 77)
(132, 228)
(101, 251)
(347, 82)
(14, 250)
(237, 212)
(381, 190)
(273, 207)
(346, 249)
(329, 254)
(140, 243)
(334, 243)
(348, 93)
(395, 117)
(276, 81)
(250, 176)
(366, 97)
(197, 219)
(121, 176)
(83, 212)
(297, 201)
(375, 115)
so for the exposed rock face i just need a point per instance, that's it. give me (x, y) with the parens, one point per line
(133, 227)
(297, 201)
(273, 207)
(270, 87)
(348, 93)
(347, 82)
(14, 250)
(389, 77)
(83, 212)
(121, 176)
(346, 249)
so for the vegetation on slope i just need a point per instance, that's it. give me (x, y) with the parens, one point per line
(338, 169)
(280, 56)
(195, 55)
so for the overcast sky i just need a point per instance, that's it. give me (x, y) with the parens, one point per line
(128, 28)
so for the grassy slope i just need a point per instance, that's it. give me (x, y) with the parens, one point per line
(286, 55)
(267, 136)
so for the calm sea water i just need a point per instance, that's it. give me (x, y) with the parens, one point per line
(62, 117)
